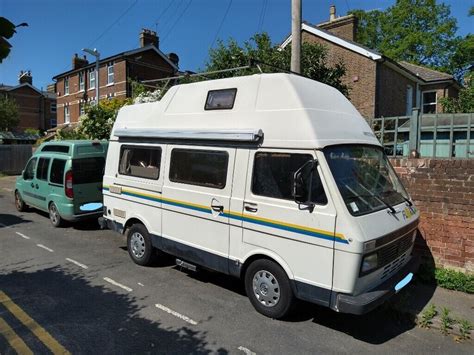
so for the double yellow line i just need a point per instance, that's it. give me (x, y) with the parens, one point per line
(15, 341)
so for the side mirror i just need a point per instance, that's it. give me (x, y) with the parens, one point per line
(302, 183)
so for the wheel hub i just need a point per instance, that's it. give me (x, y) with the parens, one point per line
(266, 288)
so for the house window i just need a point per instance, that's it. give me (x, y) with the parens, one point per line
(429, 102)
(53, 122)
(66, 86)
(82, 110)
(110, 73)
(81, 81)
(67, 117)
(92, 79)
(53, 107)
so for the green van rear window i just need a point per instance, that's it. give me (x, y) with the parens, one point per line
(88, 170)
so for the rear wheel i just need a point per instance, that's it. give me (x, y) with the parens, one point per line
(139, 245)
(54, 216)
(19, 203)
(268, 289)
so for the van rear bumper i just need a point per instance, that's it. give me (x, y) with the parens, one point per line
(369, 300)
(82, 216)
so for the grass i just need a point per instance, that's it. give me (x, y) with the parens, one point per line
(446, 321)
(465, 328)
(427, 316)
(447, 278)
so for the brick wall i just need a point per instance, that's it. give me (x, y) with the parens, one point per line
(443, 191)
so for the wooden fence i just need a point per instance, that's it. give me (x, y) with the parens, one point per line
(13, 157)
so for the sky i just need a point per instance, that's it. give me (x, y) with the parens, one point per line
(59, 28)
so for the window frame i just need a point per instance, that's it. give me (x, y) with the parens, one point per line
(53, 107)
(92, 81)
(110, 66)
(81, 81)
(67, 114)
(201, 150)
(423, 103)
(38, 166)
(149, 147)
(51, 169)
(32, 161)
(210, 92)
(66, 85)
(287, 200)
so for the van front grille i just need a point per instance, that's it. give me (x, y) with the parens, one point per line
(393, 250)
(394, 266)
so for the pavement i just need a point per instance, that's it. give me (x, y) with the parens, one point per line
(75, 289)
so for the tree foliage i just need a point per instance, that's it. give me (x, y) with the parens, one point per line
(464, 103)
(417, 31)
(260, 48)
(96, 123)
(8, 113)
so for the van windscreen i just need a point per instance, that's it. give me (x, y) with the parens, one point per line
(88, 170)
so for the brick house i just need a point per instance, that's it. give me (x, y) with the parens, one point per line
(379, 86)
(36, 108)
(76, 87)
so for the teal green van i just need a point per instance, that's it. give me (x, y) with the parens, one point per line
(64, 178)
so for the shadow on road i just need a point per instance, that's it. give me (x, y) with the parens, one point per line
(91, 319)
(11, 220)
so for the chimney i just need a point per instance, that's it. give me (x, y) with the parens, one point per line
(79, 62)
(25, 77)
(344, 26)
(148, 37)
(173, 57)
(332, 13)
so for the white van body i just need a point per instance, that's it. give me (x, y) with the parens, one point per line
(225, 224)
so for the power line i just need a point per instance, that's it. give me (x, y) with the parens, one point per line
(113, 24)
(170, 17)
(222, 22)
(262, 16)
(347, 4)
(164, 11)
(177, 20)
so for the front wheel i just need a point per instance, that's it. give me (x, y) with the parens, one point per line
(19, 203)
(54, 216)
(269, 289)
(139, 245)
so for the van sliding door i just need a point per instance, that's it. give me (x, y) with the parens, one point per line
(196, 199)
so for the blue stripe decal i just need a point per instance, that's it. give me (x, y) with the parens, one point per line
(239, 218)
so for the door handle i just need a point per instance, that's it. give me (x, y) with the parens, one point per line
(37, 186)
(217, 208)
(250, 207)
(32, 185)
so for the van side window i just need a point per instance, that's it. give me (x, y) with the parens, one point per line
(273, 176)
(30, 170)
(140, 161)
(56, 176)
(206, 168)
(42, 169)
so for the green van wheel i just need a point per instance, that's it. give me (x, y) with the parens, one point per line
(19, 203)
(54, 216)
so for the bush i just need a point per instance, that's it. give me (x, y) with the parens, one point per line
(446, 278)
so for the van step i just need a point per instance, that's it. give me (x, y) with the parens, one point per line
(186, 265)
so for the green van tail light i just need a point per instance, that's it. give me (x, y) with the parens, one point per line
(68, 185)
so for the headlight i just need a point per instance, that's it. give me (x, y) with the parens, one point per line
(369, 263)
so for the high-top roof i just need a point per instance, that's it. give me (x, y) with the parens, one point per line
(290, 110)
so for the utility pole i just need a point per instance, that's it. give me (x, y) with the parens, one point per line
(296, 36)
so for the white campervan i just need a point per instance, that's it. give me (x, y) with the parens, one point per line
(272, 178)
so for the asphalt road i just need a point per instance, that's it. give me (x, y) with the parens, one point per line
(75, 289)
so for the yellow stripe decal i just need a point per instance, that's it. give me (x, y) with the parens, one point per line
(239, 216)
(30, 323)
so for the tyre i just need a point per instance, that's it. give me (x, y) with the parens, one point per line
(139, 245)
(269, 289)
(54, 216)
(19, 203)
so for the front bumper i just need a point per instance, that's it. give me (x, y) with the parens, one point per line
(369, 300)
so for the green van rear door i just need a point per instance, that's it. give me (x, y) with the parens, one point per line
(87, 180)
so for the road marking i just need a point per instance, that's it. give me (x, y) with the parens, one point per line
(13, 339)
(140, 284)
(77, 263)
(45, 247)
(31, 324)
(7, 189)
(22, 235)
(245, 350)
(176, 314)
(109, 280)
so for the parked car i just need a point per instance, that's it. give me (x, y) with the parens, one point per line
(272, 178)
(64, 178)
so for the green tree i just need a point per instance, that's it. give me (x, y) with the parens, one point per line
(7, 30)
(417, 31)
(464, 102)
(463, 57)
(8, 113)
(260, 48)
